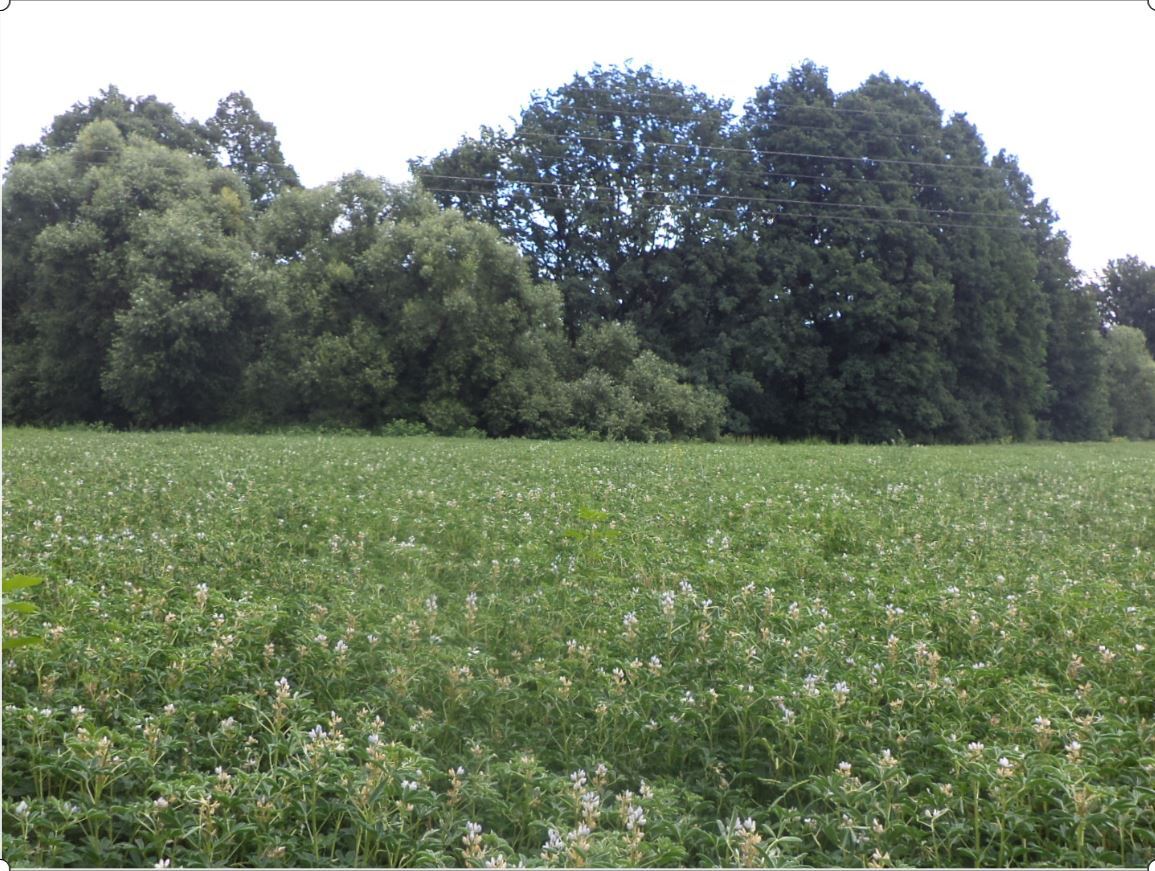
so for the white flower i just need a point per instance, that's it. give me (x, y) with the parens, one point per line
(745, 827)
(635, 818)
(555, 844)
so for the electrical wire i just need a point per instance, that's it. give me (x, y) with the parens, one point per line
(712, 196)
(776, 123)
(826, 216)
(537, 97)
(756, 151)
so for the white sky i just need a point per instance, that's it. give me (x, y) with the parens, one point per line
(1066, 86)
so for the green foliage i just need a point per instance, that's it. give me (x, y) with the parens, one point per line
(1076, 369)
(250, 144)
(627, 393)
(1126, 296)
(11, 584)
(132, 304)
(319, 650)
(653, 269)
(145, 117)
(1131, 383)
(580, 184)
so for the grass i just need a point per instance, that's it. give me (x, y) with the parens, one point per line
(303, 650)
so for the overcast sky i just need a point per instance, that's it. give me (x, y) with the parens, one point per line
(1067, 86)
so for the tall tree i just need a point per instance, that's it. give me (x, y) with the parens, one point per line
(1127, 296)
(1131, 383)
(835, 205)
(250, 148)
(998, 334)
(391, 309)
(1076, 400)
(127, 250)
(599, 177)
(145, 116)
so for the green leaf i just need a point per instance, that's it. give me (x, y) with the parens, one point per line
(19, 582)
(22, 641)
(21, 607)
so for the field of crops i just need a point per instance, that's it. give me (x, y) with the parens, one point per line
(307, 650)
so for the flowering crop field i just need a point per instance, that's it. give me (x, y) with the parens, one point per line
(304, 650)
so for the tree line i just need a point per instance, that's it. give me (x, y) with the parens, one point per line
(631, 260)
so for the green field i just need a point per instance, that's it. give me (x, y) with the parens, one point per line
(333, 651)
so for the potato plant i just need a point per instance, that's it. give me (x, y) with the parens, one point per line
(307, 650)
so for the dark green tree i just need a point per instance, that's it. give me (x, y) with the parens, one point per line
(144, 116)
(388, 309)
(1126, 293)
(97, 230)
(851, 263)
(998, 334)
(248, 145)
(599, 177)
(1076, 404)
(181, 344)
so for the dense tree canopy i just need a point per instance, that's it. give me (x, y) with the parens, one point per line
(632, 260)
(251, 147)
(1127, 296)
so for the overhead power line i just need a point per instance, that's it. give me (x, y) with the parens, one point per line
(777, 124)
(693, 92)
(712, 196)
(826, 216)
(739, 198)
(863, 158)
